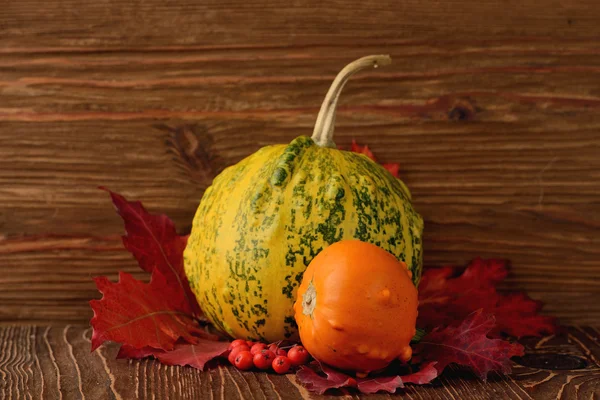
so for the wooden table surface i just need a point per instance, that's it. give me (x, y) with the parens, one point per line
(43, 362)
(491, 108)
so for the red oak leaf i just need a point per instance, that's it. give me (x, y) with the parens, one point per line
(445, 298)
(308, 375)
(195, 355)
(467, 344)
(154, 242)
(426, 374)
(140, 314)
(393, 168)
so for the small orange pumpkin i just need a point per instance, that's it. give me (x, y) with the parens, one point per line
(357, 307)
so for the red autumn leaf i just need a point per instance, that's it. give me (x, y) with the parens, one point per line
(140, 314)
(355, 148)
(467, 344)
(393, 168)
(426, 374)
(444, 299)
(517, 315)
(154, 242)
(308, 375)
(195, 355)
(381, 383)
(319, 378)
(437, 284)
(484, 272)
(132, 353)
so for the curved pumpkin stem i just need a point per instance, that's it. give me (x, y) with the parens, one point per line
(323, 132)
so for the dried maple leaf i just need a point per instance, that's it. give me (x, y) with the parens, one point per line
(319, 378)
(356, 148)
(467, 344)
(445, 298)
(393, 168)
(154, 242)
(195, 355)
(140, 314)
(426, 374)
(438, 284)
(517, 315)
(381, 383)
(308, 375)
(132, 353)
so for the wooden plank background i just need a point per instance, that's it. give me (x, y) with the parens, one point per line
(491, 108)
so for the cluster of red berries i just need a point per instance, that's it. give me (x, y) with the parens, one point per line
(245, 355)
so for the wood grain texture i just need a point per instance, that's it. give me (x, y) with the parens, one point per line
(49, 278)
(70, 23)
(55, 362)
(490, 108)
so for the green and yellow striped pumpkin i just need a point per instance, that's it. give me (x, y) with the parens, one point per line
(264, 219)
